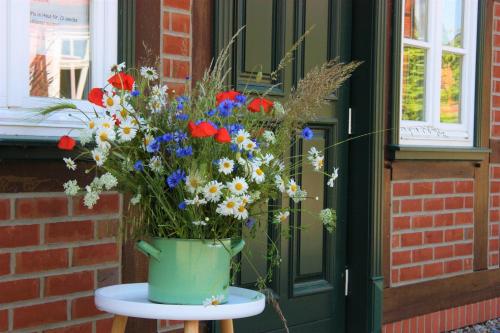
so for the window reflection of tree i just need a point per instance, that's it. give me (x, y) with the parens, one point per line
(413, 83)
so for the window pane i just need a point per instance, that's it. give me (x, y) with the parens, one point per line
(451, 77)
(415, 20)
(413, 83)
(452, 23)
(59, 48)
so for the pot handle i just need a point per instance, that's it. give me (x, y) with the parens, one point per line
(148, 249)
(236, 248)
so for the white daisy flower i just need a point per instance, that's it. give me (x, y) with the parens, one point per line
(196, 201)
(111, 102)
(214, 300)
(213, 191)
(135, 199)
(313, 152)
(254, 196)
(85, 136)
(281, 217)
(99, 156)
(106, 123)
(240, 138)
(249, 145)
(118, 67)
(269, 137)
(228, 206)
(318, 162)
(90, 198)
(280, 184)
(71, 187)
(127, 130)
(278, 107)
(104, 136)
(333, 177)
(198, 223)
(155, 164)
(123, 113)
(266, 159)
(92, 124)
(293, 188)
(108, 181)
(237, 186)
(226, 166)
(246, 199)
(70, 164)
(241, 212)
(194, 182)
(258, 175)
(147, 140)
(159, 90)
(155, 105)
(149, 73)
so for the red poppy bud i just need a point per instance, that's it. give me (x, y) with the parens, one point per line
(122, 81)
(222, 136)
(202, 130)
(222, 96)
(66, 143)
(259, 103)
(95, 96)
(117, 121)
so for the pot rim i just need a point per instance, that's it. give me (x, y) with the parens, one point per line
(196, 239)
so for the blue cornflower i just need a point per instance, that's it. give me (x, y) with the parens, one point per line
(234, 128)
(182, 205)
(211, 113)
(153, 146)
(182, 116)
(167, 137)
(135, 93)
(234, 147)
(179, 136)
(250, 223)
(225, 107)
(139, 166)
(240, 100)
(183, 152)
(250, 156)
(307, 133)
(175, 178)
(180, 106)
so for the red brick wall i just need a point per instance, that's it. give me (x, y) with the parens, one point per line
(53, 254)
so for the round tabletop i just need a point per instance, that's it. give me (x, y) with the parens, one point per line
(131, 300)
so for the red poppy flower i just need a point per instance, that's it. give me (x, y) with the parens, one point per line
(231, 95)
(259, 103)
(66, 143)
(122, 81)
(95, 96)
(222, 136)
(117, 121)
(202, 130)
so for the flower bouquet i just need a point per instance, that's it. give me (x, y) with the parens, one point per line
(199, 167)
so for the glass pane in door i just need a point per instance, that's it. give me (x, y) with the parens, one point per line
(451, 82)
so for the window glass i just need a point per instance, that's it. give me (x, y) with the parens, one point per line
(452, 23)
(59, 48)
(413, 83)
(415, 19)
(451, 83)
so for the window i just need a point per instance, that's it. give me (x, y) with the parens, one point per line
(438, 60)
(52, 49)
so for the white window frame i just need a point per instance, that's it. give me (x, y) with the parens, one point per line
(18, 111)
(431, 132)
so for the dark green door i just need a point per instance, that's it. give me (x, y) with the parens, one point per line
(309, 283)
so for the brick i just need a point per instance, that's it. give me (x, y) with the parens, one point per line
(443, 187)
(431, 237)
(469, 202)
(4, 320)
(464, 218)
(35, 315)
(69, 231)
(108, 276)
(422, 188)
(44, 260)
(494, 216)
(401, 222)
(107, 228)
(30, 208)
(176, 87)
(95, 254)
(466, 186)
(394, 276)
(411, 239)
(180, 4)
(493, 244)
(495, 201)
(494, 230)
(432, 270)
(463, 249)
(167, 65)
(496, 170)
(4, 209)
(410, 273)
(411, 205)
(401, 189)
(81, 328)
(468, 264)
(104, 325)
(441, 220)
(495, 129)
(108, 204)
(496, 99)
(422, 254)
(4, 263)
(401, 258)
(19, 290)
(84, 307)
(495, 186)
(176, 45)
(181, 22)
(69, 283)
(453, 235)
(441, 252)
(454, 203)
(469, 233)
(19, 235)
(166, 20)
(423, 221)
(180, 69)
(433, 204)
(453, 266)
(395, 241)
(395, 206)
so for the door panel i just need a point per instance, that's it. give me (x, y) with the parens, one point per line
(309, 281)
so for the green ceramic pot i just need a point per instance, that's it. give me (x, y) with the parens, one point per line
(188, 271)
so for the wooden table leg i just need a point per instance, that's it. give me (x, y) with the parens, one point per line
(119, 324)
(226, 326)
(191, 326)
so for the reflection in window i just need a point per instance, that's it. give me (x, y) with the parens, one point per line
(451, 82)
(452, 23)
(413, 83)
(415, 19)
(59, 48)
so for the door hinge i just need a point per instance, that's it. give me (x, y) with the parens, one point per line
(349, 128)
(346, 291)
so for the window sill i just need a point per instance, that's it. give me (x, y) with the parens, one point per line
(31, 148)
(397, 152)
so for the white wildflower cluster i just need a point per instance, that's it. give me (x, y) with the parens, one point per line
(71, 187)
(136, 199)
(92, 192)
(328, 217)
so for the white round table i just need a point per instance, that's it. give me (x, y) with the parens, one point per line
(131, 300)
